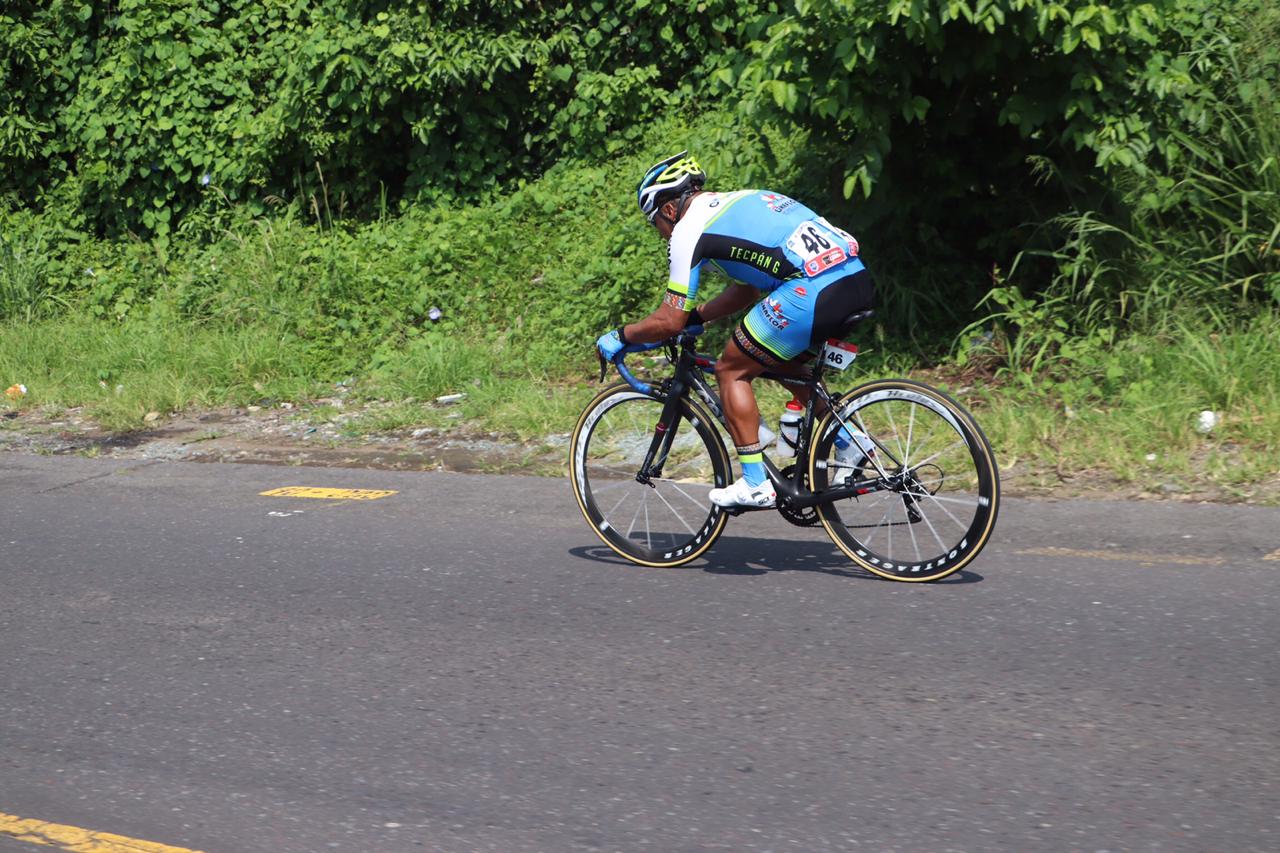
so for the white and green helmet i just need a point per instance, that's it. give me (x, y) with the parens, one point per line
(671, 178)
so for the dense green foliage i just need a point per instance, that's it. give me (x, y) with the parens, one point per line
(541, 265)
(1197, 236)
(966, 124)
(132, 108)
(301, 181)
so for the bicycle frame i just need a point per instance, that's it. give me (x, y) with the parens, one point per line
(689, 367)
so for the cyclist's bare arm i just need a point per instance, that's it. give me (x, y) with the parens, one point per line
(731, 300)
(666, 321)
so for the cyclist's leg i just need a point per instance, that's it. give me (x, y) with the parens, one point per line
(735, 370)
(769, 336)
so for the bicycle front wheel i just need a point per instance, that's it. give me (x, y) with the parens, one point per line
(668, 520)
(928, 486)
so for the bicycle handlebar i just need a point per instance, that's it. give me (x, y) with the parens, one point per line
(643, 387)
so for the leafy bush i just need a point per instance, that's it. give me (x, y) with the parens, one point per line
(1199, 234)
(148, 106)
(546, 267)
(941, 121)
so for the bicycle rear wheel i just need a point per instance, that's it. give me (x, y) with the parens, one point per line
(930, 488)
(668, 521)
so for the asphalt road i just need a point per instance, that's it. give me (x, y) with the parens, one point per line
(462, 667)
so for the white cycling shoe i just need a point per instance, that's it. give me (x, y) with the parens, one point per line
(739, 494)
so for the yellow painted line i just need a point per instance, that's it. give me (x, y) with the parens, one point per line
(1124, 556)
(78, 840)
(327, 494)
(1274, 555)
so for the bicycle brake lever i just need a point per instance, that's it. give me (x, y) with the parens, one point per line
(604, 365)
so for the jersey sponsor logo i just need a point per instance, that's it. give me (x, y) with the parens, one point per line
(773, 313)
(760, 260)
(800, 291)
(825, 261)
(777, 203)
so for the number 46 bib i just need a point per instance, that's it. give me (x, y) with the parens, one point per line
(821, 246)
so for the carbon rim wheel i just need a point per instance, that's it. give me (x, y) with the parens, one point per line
(931, 488)
(668, 521)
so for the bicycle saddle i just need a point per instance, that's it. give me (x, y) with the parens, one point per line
(847, 324)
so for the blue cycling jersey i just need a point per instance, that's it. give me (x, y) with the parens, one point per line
(756, 237)
(808, 268)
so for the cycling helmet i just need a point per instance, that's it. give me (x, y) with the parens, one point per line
(672, 178)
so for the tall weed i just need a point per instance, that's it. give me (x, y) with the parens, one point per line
(1205, 231)
(26, 291)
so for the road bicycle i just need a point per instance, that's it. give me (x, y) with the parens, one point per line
(917, 504)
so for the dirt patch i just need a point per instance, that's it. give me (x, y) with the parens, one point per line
(282, 437)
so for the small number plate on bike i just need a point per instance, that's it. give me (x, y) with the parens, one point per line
(839, 354)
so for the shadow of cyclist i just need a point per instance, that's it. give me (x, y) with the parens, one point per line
(744, 557)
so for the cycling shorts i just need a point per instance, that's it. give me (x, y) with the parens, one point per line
(803, 312)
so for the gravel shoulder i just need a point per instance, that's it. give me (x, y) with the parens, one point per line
(312, 434)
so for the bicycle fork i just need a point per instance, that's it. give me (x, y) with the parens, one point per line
(664, 435)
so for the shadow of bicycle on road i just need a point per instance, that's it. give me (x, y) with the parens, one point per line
(742, 556)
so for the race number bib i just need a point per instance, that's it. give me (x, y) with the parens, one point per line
(839, 355)
(821, 246)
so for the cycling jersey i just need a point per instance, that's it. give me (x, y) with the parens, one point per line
(779, 246)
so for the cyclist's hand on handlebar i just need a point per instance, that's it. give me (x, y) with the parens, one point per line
(609, 344)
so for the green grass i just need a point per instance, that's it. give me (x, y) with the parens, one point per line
(121, 371)
(1096, 423)
(1128, 413)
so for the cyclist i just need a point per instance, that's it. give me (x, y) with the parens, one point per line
(807, 269)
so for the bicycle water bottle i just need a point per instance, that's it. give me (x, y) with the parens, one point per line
(789, 429)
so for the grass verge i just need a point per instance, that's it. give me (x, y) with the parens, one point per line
(1123, 417)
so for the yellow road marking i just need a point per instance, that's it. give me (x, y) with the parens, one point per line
(1124, 556)
(1274, 555)
(78, 840)
(327, 494)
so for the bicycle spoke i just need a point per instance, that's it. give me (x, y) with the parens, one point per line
(698, 503)
(974, 503)
(897, 436)
(635, 517)
(929, 524)
(876, 527)
(625, 495)
(678, 516)
(957, 521)
(615, 484)
(874, 457)
(915, 543)
(911, 424)
(648, 528)
(953, 445)
(890, 545)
